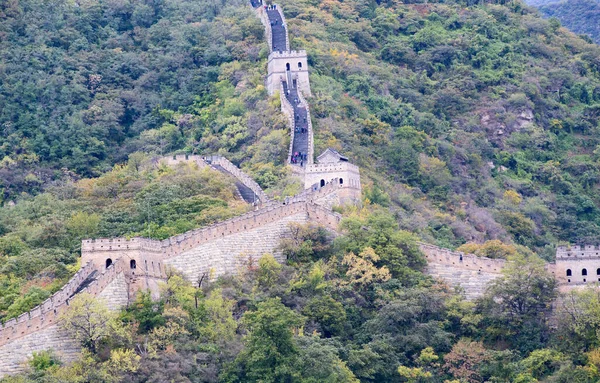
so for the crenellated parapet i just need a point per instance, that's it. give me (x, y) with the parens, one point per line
(435, 254)
(578, 252)
(578, 264)
(47, 313)
(88, 279)
(143, 250)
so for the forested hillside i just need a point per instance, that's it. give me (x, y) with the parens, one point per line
(475, 125)
(580, 16)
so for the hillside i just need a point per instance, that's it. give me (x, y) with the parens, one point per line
(475, 127)
(453, 107)
(580, 16)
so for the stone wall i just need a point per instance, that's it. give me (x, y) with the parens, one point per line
(116, 293)
(230, 254)
(469, 282)
(40, 331)
(15, 356)
(277, 66)
(466, 272)
(45, 314)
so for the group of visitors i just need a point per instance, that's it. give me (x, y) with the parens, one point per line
(299, 158)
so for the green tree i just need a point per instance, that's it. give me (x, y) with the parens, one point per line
(516, 305)
(271, 352)
(91, 323)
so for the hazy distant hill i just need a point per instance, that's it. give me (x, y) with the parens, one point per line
(580, 16)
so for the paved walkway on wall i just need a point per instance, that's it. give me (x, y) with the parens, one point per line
(279, 33)
(300, 144)
(245, 192)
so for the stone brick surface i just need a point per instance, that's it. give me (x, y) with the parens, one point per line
(116, 293)
(471, 283)
(227, 255)
(14, 356)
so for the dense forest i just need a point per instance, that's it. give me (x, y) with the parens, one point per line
(580, 16)
(475, 125)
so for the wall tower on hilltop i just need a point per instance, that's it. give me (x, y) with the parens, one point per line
(290, 67)
(578, 264)
(331, 166)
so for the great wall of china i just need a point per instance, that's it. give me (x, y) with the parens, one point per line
(115, 269)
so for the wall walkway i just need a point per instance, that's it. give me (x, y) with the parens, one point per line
(248, 189)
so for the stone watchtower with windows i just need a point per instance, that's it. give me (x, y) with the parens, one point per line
(291, 67)
(331, 167)
(576, 265)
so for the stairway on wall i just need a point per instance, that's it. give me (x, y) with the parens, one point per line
(301, 116)
(278, 31)
(300, 122)
(247, 188)
(244, 191)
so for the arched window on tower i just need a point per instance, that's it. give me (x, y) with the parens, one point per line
(569, 272)
(584, 272)
(341, 181)
(108, 263)
(132, 264)
(287, 66)
(322, 183)
(597, 271)
(300, 66)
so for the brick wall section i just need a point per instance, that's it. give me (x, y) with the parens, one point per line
(232, 253)
(116, 293)
(464, 271)
(42, 332)
(14, 356)
(178, 244)
(45, 314)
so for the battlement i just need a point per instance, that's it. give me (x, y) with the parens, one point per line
(435, 254)
(340, 166)
(577, 252)
(287, 55)
(120, 244)
(49, 311)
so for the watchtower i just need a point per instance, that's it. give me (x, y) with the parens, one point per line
(332, 166)
(291, 67)
(578, 264)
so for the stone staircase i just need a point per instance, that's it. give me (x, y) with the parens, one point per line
(247, 188)
(300, 143)
(278, 31)
(244, 191)
(301, 151)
